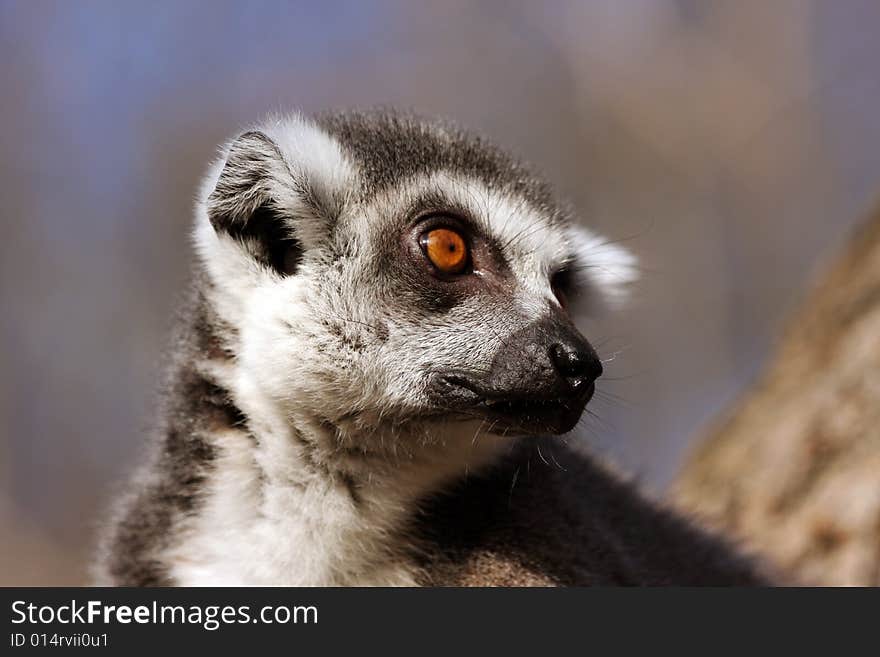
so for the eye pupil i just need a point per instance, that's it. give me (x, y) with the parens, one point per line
(446, 249)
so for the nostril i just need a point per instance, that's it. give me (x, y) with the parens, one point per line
(575, 363)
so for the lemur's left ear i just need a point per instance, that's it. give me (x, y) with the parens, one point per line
(275, 191)
(603, 266)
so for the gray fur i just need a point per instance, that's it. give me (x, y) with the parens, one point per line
(393, 146)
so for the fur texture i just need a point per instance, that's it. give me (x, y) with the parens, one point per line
(341, 413)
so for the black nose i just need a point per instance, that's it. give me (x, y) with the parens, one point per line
(579, 366)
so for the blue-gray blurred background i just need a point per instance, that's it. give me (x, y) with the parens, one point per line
(732, 145)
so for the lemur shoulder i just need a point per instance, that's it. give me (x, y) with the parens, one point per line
(372, 374)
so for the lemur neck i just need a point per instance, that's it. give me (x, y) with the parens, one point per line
(292, 498)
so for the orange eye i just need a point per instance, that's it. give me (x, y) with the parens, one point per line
(446, 250)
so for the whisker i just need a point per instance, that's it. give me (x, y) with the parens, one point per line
(538, 447)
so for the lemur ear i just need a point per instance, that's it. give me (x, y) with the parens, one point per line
(603, 266)
(251, 202)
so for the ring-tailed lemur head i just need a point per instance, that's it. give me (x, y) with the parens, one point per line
(379, 269)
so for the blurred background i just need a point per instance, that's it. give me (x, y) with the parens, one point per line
(731, 145)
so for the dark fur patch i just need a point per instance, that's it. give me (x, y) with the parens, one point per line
(570, 521)
(270, 231)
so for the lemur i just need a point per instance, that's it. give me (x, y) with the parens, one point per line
(373, 371)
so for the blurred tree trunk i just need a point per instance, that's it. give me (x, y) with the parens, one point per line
(794, 470)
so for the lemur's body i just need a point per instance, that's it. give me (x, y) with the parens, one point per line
(374, 339)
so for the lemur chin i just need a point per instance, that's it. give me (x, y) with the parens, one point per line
(372, 371)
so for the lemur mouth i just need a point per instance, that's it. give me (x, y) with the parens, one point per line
(518, 412)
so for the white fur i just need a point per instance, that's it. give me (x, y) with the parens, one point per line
(608, 267)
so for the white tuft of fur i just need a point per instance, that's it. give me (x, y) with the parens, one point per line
(604, 266)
